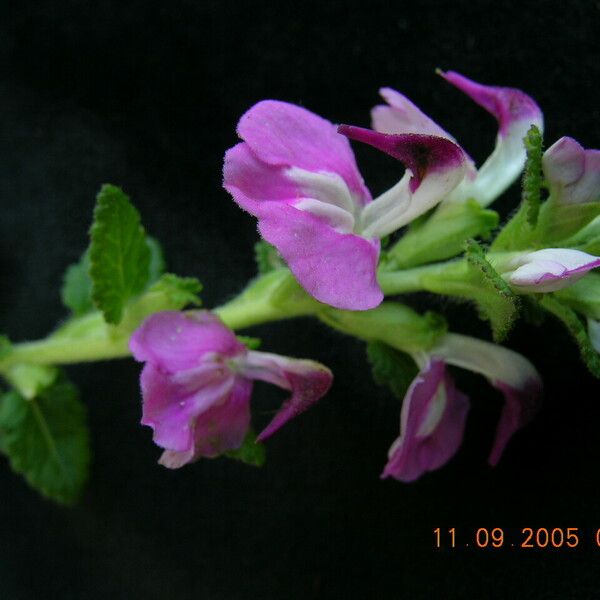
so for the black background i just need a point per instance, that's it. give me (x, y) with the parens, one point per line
(146, 96)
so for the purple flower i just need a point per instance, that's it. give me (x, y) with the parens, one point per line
(432, 423)
(434, 412)
(197, 382)
(514, 111)
(573, 173)
(298, 176)
(549, 269)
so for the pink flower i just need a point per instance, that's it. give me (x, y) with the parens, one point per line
(514, 111)
(434, 412)
(572, 172)
(549, 269)
(432, 424)
(298, 176)
(197, 382)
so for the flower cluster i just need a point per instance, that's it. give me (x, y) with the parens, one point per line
(332, 251)
(296, 173)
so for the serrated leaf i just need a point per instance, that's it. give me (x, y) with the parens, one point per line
(76, 291)
(576, 328)
(391, 368)
(532, 174)
(501, 307)
(180, 291)
(252, 343)
(119, 253)
(250, 452)
(267, 257)
(46, 440)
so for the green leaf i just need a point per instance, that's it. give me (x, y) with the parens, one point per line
(46, 440)
(532, 174)
(76, 291)
(30, 380)
(578, 330)
(252, 343)
(170, 292)
(391, 368)
(267, 257)
(250, 452)
(443, 235)
(500, 305)
(119, 254)
(179, 291)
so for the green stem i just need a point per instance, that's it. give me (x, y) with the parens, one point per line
(413, 280)
(271, 297)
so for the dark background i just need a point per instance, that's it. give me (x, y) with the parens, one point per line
(146, 96)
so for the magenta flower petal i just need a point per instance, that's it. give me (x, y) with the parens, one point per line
(335, 268)
(431, 426)
(298, 176)
(171, 407)
(572, 172)
(222, 427)
(508, 105)
(402, 116)
(435, 167)
(282, 134)
(423, 154)
(254, 183)
(549, 269)
(307, 380)
(175, 341)
(515, 112)
(506, 370)
(520, 406)
(196, 394)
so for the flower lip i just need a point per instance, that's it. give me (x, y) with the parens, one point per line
(422, 154)
(283, 134)
(506, 104)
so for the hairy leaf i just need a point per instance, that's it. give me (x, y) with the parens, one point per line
(119, 254)
(76, 291)
(46, 440)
